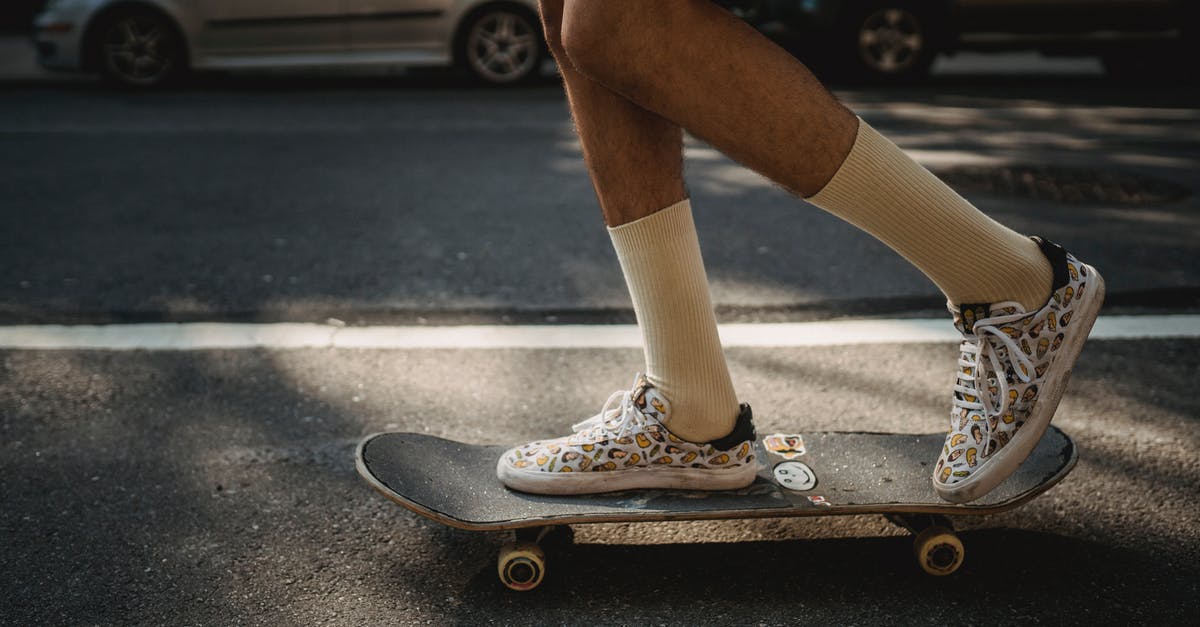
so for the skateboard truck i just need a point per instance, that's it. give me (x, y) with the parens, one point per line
(522, 563)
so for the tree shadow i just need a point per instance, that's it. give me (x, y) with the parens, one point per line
(218, 487)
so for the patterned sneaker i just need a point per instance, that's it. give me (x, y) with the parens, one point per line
(1014, 368)
(627, 446)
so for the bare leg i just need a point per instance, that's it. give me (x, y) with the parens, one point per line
(695, 64)
(699, 66)
(634, 157)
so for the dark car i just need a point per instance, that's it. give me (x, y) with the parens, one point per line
(899, 39)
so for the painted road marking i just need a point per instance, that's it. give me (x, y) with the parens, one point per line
(215, 335)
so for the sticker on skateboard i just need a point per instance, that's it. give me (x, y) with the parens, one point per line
(785, 445)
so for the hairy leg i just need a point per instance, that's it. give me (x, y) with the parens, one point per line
(634, 156)
(699, 66)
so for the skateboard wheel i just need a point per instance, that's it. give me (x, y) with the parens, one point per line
(938, 550)
(521, 566)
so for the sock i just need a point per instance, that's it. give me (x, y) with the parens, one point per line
(660, 256)
(969, 256)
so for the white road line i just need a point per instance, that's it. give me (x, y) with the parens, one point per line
(213, 335)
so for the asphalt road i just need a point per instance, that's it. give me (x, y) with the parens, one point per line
(217, 487)
(382, 199)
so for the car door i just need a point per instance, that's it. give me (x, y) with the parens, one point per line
(251, 27)
(418, 25)
(1063, 16)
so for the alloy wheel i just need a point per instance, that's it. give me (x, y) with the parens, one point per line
(502, 47)
(139, 50)
(890, 41)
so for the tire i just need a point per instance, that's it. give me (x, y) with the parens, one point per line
(501, 45)
(889, 41)
(138, 49)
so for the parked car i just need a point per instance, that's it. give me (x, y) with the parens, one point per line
(144, 43)
(899, 39)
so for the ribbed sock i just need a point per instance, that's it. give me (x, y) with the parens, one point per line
(660, 256)
(969, 256)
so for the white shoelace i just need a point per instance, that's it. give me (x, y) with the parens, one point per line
(979, 351)
(619, 406)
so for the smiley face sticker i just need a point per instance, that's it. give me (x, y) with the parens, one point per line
(795, 476)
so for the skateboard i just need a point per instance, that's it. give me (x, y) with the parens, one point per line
(801, 474)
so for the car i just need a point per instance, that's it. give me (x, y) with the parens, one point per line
(890, 40)
(146, 43)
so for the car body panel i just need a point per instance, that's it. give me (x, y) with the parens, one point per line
(1065, 26)
(413, 25)
(1077, 17)
(230, 34)
(238, 27)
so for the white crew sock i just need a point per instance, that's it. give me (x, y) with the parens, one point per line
(971, 257)
(660, 256)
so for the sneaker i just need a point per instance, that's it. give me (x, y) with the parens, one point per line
(627, 446)
(1014, 367)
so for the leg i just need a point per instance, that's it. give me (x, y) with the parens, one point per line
(677, 427)
(699, 66)
(696, 65)
(634, 157)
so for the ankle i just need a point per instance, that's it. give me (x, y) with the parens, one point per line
(1020, 273)
(699, 424)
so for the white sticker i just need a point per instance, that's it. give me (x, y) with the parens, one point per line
(786, 445)
(795, 476)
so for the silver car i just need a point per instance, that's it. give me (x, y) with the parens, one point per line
(144, 43)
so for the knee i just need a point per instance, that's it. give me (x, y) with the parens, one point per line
(595, 34)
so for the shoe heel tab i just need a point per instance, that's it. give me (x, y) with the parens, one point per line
(1057, 256)
(743, 430)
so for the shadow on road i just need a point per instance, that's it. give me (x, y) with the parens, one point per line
(1087, 90)
(1009, 576)
(219, 487)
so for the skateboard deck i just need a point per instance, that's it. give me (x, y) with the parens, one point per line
(805, 474)
(809, 474)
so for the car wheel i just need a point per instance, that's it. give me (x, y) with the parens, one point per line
(502, 45)
(138, 49)
(891, 40)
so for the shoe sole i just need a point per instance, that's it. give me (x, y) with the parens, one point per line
(588, 482)
(1006, 461)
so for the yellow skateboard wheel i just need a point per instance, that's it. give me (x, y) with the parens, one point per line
(938, 551)
(521, 565)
